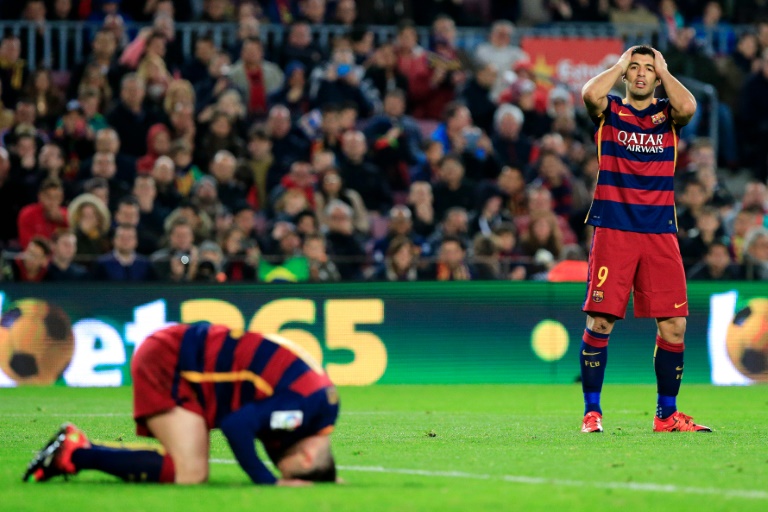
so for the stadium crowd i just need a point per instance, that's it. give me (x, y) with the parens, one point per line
(363, 159)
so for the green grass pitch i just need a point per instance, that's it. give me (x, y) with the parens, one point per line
(422, 448)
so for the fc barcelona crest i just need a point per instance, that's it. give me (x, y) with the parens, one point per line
(658, 118)
(597, 295)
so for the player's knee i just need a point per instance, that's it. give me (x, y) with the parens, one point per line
(600, 324)
(192, 474)
(672, 330)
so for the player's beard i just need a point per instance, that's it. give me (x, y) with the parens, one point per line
(640, 95)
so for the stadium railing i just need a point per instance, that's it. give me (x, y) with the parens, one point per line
(58, 35)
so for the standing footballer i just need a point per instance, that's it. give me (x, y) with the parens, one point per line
(635, 244)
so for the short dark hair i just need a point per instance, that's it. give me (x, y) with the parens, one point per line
(42, 243)
(50, 183)
(129, 200)
(450, 238)
(644, 49)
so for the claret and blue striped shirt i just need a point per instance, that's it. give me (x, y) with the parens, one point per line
(637, 152)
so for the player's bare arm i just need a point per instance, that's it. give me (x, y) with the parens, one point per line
(680, 99)
(595, 92)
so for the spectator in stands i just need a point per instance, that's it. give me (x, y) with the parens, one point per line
(167, 197)
(90, 102)
(313, 11)
(73, 134)
(345, 249)
(247, 26)
(108, 141)
(755, 267)
(375, 12)
(220, 136)
(45, 216)
(451, 262)
(49, 102)
(429, 169)
(555, 176)
(295, 91)
(452, 189)
(744, 220)
(158, 144)
(486, 259)
(510, 254)
(383, 73)
(90, 222)
(362, 41)
(300, 179)
(540, 204)
(692, 201)
(24, 162)
(332, 188)
(716, 265)
(10, 200)
(687, 58)
(299, 46)
(427, 96)
(542, 242)
(208, 89)
(361, 175)
(215, 11)
(124, 263)
(420, 202)
(13, 70)
(400, 263)
(708, 230)
(511, 182)
(103, 57)
(400, 224)
(630, 12)
(103, 166)
(753, 114)
(6, 114)
(255, 77)
(511, 147)
(187, 172)
(205, 196)
(288, 143)
(491, 212)
(177, 260)
(454, 224)
(130, 118)
(345, 13)
(62, 266)
(241, 256)
(477, 96)
(31, 265)
(321, 268)
(736, 67)
(500, 52)
(342, 80)
(34, 13)
(196, 68)
(151, 213)
(256, 166)
(711, 29)
(395, 140)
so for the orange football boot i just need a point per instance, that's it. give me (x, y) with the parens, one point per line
(56, 457)
(593, 422)
(678, 422)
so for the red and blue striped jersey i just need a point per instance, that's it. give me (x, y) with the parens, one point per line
(637, 152)
(253, 386)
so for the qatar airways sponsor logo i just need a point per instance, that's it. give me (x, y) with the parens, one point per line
(642, 142)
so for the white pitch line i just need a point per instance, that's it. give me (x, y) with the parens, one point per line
(533, 480)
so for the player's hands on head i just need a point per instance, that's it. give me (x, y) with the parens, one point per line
(659, 63)
(625, 58)
(293, 482)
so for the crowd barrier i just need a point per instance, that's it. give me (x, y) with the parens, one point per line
(363, 334)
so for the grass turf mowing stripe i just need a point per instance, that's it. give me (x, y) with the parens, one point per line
(519, 479)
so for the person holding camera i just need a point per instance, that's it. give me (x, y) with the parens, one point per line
(178, 260)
